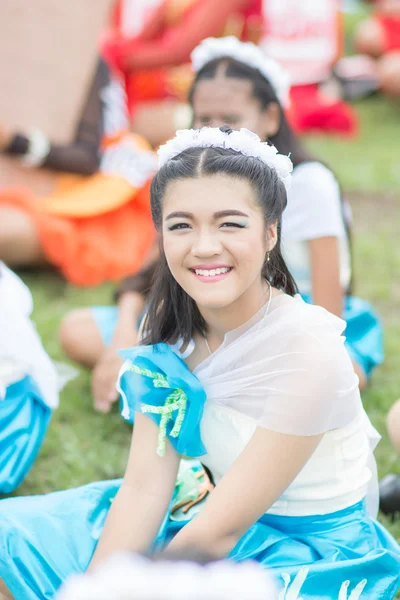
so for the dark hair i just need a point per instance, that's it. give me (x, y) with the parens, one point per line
(285, 139)
(172, 314)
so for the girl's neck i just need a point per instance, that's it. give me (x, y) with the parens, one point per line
(221, 320)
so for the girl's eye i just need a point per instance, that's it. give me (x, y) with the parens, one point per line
(237, 225)
(178, 226)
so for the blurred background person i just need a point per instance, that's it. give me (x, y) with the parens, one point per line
(390, 484)
(151, 42)
(93, 229)
(306, 38)
(378, 36)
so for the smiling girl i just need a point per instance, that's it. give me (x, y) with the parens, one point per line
(237, 85)
(235, 369)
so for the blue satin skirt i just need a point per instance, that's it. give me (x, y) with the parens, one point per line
(364, 333)
(44, 539)
(24, 419)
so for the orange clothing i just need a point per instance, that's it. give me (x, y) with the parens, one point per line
(98, 228)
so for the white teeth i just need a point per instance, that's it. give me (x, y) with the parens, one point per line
(212, 272)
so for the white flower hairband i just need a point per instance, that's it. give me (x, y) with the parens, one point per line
(247, 53)
(244, 141)
(130, 577)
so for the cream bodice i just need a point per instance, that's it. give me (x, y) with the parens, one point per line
(336, 476)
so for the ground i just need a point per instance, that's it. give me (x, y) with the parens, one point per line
(83, 446)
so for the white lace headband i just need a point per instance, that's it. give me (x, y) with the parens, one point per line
(126, 577)
(248, 54)
(242, 140)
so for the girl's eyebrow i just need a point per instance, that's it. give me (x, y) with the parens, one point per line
(230, 213)
(180, 215)
(217, 215)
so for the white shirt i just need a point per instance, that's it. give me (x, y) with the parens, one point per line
(314, 210)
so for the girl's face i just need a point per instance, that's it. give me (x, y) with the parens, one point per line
(215, 239)
(230, 101)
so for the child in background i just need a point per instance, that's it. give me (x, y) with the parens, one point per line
(150, 42)
(92, 229)
(379, 37)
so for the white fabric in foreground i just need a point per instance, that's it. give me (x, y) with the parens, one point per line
(21, 350)
(287, 370)
(132, 577)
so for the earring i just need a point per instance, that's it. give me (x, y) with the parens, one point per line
(268, 256)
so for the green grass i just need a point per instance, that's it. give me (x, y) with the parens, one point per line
(369, 162)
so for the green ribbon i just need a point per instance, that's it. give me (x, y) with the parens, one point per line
(177, 400)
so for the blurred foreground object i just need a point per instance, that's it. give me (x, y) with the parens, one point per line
(130, 577)
(48, 54)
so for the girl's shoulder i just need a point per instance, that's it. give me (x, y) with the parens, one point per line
(314, 174)
(314, 206)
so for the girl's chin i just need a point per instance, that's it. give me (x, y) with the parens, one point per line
(213, 303)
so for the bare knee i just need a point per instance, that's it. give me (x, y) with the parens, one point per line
(80, 337)
(369, 38)
(389, 73)
(19, 241)
(4, 592)
(393, 425)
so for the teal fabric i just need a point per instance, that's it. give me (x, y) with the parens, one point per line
(45, 539)
(24, 419)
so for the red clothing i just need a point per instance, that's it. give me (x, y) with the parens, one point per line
(169, 36)
(391, 31)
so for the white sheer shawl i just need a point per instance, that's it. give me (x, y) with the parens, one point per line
(287, 369)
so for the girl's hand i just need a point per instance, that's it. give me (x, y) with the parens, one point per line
(104, 379)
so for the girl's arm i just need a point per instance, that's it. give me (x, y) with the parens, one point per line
(325, 274)
(140, 506)
(82, 155)
(262, 472)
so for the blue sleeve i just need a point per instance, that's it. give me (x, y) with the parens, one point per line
(155, 381)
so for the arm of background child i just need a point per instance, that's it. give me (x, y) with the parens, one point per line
(325, 274)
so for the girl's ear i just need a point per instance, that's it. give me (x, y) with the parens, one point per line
(271, 120)
(272, 236)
